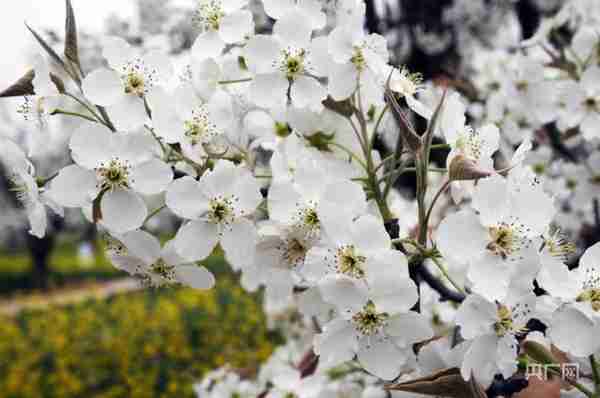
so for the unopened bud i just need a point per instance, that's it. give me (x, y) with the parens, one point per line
(464, 169)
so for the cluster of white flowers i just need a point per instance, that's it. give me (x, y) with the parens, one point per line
(264, 145)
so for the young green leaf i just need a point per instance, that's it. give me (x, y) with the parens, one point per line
(71, 47)
(23, 86)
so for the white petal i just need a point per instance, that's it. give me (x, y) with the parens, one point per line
(393, 295)
(347, 195)
(370, 234)
(235, 26)
(128, 113)
(278, 8)
(117, 51)
(337, 343)
(294, 29)
(480, 360)
(196, 240)
(142, 245)
(74, 186)
(239, 243)
(381, 357)
(90, 145)
(207, 45)
(185, 198)
(573, 332)
(475, 316)
(269, 90)
(166, 121)
(460, 236)
(409, 328)
(261, 51)
(490, 276)
(197, 277)
(343, 80)
(122, 210)
(308, 92)
(347, 294)
(491, 199)
(247, 191)
(103, 87)
(283, 200)
(152, 177)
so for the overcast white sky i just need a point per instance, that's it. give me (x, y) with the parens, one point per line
(15, 40)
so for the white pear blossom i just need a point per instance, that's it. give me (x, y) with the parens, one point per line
(21, 173)
(218, 207)
(222, 22)
(382, 341)
(140, 254)
(123, 87)
(576, 324)
(500, 241)
(492, 327)
(287, 64)
(114, 168)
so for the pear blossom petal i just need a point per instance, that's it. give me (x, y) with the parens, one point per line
(197, 277)
(207, 45)
(235, 26)
(152, 177)
(103, 87)
(196, 240)
(122, 210)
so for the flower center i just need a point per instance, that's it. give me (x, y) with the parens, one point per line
(293, 251)
(113, 174)
(406, 83)
(469, 142)
(592, 296)
(558, 246)
(209, 14)
(358, 59)
(221, 210)
(350, 262)
(164, 270)
(137, 78)
(199, 129)
(368, 321)
(293, 62)
(505, 323)
(522, 85)
(506, 240)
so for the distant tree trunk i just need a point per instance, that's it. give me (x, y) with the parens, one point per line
(40, 250)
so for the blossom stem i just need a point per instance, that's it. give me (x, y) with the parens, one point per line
(444, 272)
(75, 114)
(86, 106)
(248, 79)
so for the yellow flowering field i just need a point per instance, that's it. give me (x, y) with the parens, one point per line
(152, 343)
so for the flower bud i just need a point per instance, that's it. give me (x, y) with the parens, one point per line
(463, 169)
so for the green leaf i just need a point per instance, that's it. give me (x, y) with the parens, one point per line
(23, 86)
(428, 137)
(47, 47)
(71, 47)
